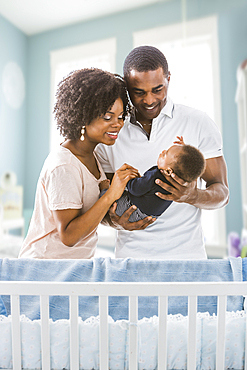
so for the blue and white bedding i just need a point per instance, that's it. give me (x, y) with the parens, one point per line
(118, 342)
(121, 270)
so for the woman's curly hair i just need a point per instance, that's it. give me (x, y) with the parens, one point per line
(84, 95)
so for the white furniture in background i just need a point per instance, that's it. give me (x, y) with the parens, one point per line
(11, 207)
(10, 244)
(11, 224)
(241, 100)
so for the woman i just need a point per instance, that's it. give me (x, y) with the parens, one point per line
(90, 109)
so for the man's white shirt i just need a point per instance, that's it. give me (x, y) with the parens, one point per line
(177, 233)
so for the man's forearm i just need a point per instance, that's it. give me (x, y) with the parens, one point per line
(213, 197)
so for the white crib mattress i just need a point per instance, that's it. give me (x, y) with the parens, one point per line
(119, 346)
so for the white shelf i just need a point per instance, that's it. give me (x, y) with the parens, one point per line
(17, 223)
(10, 246)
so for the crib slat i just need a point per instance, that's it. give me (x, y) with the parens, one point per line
(192, 314)
(245, 356)
(103, 333)
(133, 334)
(45, 332)
(16, 332)
(74, 335)
(162, 343)
(220, 345)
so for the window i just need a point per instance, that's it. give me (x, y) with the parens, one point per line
(192, 54)
(241, 100)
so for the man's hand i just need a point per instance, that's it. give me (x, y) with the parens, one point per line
(216, 194)
(181, 191)
(122, 223)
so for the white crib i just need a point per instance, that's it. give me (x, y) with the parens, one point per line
(133, 291)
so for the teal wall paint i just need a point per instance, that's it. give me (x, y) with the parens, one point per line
(232, 28)
(233, 50)
(13, 46)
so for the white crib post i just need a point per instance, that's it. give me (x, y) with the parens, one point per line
(192, 316)
(245, 357)
(45, 332)
(162, 342)
(16, 332)
(103, 333)
(74, 336)
(133, 334)
(220, 345)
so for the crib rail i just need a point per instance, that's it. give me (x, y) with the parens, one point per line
(133, 291)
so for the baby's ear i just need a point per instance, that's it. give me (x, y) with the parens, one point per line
(168, 171)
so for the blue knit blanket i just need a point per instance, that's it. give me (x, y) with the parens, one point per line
(121, 270)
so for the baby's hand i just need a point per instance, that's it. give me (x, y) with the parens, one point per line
(180, 140)
(105, 184)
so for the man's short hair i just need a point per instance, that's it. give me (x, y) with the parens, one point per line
(144, 59)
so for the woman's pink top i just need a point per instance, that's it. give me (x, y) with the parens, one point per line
(64, 183)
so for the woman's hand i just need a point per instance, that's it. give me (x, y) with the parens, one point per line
(120, 179)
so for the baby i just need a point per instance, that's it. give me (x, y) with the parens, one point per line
(186, 161)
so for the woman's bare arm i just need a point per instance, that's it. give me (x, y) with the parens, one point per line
(72, 225)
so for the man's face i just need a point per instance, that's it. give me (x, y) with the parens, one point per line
(148, 92)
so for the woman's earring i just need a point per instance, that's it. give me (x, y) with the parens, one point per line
(82, 133)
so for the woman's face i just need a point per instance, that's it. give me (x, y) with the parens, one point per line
(105, 129)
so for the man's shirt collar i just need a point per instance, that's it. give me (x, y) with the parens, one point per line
(166, 110)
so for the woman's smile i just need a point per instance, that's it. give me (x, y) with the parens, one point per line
(113, 135)
(105, 129)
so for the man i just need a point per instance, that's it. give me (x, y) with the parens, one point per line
(153, 126)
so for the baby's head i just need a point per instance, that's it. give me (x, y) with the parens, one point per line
(186, 161)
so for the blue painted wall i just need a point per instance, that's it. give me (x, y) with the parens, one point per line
(13, 49)
(35, 52)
